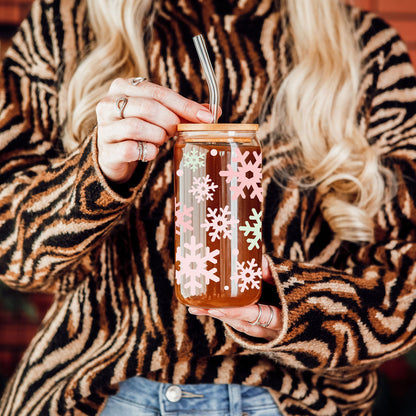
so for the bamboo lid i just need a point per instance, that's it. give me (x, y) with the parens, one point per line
(217, 127)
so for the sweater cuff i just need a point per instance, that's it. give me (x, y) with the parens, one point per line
(256, 344)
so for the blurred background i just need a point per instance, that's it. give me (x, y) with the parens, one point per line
(20, 314)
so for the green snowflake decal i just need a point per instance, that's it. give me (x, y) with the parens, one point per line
(194, 160)
(254, 229)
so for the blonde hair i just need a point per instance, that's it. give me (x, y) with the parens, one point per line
(315, 105)
(120, 28)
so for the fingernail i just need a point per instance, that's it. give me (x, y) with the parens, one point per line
(204, 116)
(216, 313)
(194, 311)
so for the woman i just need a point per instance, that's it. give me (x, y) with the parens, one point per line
(86, 208)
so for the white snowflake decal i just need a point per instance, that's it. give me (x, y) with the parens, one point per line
(194, 160)
(248, 275)
(203, 188)
(254, 229)
(221, 223)
(183, 218)
(193, 266)
(248, 175)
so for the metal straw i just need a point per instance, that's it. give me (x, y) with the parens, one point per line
(214, 92)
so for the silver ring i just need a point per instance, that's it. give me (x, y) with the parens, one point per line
(270, 319)
(142, 152)
(144, 155)
(140, 148)
(121, 105)
(138, 80)
(258, 316)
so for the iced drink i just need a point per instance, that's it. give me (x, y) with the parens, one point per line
(218, 215)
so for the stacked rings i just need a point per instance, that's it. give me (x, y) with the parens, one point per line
(257, 320)
(142, 152)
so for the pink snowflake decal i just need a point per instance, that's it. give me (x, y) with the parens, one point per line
(183, 218)
(248, 175)
(203, 188)
(221, 223)
(248, 275)
(193, 266)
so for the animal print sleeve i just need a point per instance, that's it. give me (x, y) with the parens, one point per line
(363, 313)
(54, 207)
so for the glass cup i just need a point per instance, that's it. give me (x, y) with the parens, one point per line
(218, 214)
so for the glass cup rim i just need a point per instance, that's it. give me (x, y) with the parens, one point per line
(216, 127)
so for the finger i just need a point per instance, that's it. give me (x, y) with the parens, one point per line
(142, 108)
(181, 106)
(253, 314)
(252, 330)
(266, 272)
(126, 151)
(245, 314)
(134, 129)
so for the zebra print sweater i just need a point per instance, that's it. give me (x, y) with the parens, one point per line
(107, 256)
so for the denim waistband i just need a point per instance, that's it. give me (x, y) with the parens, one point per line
(142, 397)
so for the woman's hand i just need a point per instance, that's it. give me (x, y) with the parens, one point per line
(260, 321)
(135, 119)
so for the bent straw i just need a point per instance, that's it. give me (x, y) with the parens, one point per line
(214, 92)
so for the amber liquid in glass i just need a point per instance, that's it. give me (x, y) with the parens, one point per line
(218, 223)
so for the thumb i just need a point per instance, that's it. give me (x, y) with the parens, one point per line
(266, 272)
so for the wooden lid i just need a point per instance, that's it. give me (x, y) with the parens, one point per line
(217, 127)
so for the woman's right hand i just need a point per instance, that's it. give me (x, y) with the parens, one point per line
(149, 118)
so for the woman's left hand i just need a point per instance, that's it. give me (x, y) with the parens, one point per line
(259, 320)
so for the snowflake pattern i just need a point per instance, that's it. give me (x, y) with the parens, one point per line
(194, 160)
(254, 229)
(183, 218)
(248, 175)
(203, 188)
(220, 223)
(249, 274)
(193, 266)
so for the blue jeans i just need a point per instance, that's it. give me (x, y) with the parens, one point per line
(142, 397)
